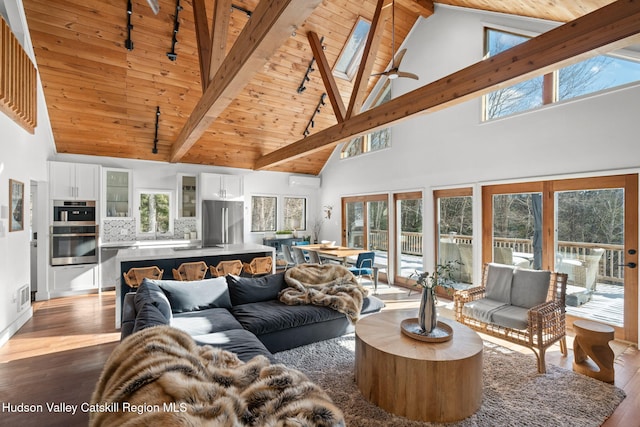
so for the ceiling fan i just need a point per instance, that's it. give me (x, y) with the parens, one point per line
(394, 72)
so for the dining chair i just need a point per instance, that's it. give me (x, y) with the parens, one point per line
(298, 255)
(314, 257)
(288, 257)
(364, 265)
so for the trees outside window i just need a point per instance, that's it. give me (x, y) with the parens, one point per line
(295, 213)
(583, 78)
(263, 213)
(155, 212)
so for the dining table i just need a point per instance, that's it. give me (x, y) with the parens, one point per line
(342, 254)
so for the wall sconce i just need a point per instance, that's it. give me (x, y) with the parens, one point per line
(176, 26)
(312, 122)
(154, 150)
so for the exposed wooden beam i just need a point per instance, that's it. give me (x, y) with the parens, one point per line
(327, 76)
(219, 32)
(608, 28)
(423, 8)
(202, 39)
(272, 22)
(380, 18)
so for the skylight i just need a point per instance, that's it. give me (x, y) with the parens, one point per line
(351, 54)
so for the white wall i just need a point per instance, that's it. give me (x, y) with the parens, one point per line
(452, 147)
(23, 158)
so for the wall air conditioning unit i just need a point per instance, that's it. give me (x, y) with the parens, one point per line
(304, 181)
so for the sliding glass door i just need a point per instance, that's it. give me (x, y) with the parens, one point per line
(586, 228)
(366, 226)
(408, 244)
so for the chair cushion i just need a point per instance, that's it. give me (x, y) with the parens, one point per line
(195, 295)
(482, 309)
(205, 321)
(245, 290)
(498, 284)
(361, 271)
(511, 316)
(530, 287)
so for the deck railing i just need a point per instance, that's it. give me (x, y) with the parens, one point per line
(609, 269)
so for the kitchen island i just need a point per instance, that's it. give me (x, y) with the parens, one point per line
(168, 258)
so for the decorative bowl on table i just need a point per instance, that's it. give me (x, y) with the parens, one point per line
(325, 244)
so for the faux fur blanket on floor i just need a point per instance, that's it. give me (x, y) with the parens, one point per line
(328, 285)
(161, 377)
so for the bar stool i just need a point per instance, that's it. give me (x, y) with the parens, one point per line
(226, 267)
(189, 271)
(134, 277)
(259, 265)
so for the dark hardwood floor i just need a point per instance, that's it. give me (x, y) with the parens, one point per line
(57, 356)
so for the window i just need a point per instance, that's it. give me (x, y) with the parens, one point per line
(351, 54)
(372, 141)
(263, 213)
(583, 78)
(154, 212)
(295, 213)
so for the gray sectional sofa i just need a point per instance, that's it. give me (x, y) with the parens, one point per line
(238, 314)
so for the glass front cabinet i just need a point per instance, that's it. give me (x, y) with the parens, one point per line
(117, 193)
(187, 196)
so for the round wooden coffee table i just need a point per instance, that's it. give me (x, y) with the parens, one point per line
(437, 382)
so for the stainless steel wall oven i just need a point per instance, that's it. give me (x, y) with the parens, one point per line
(74, 244)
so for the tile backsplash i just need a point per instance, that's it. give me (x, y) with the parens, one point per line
(112, 230)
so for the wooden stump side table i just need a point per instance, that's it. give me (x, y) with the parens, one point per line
(592, 342)
(437, 382)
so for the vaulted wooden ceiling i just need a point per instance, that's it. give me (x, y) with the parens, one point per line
(102, 98)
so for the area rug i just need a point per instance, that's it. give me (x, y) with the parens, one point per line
(514, 393)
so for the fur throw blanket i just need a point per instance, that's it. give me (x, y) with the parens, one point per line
(161, 377)
(328, 285)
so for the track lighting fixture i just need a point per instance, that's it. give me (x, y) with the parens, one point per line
(312, 121)
(128, 43)
(310, 70)
(154, 150)
(176, 26)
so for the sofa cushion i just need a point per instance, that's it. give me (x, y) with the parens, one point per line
(498, 284)
(511, 316)
(239, 341)
(149, 293)
(205, 321)
(482, 309)
(149, 315)
(269, 316)
(245, 290)
(529, 288)
(195, 295)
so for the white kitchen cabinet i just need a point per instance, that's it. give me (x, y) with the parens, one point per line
(187, 196)
(72, 278)
(221, 187)
(116, 194)
(74, 181)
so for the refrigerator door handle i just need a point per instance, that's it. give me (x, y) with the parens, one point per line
(226, 225)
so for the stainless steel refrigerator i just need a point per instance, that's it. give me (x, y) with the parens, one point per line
(222, 222)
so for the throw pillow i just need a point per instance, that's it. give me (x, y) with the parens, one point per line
(245, 290)
(530, 287)
(195, 295)
(149, 293)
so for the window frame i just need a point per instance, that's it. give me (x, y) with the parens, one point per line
(275, 214)
(138, 216)
(304, 212)
(350, 71)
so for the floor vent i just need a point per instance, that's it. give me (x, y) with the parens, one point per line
(24, 298)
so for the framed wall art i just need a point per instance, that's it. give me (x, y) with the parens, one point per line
(16, 203)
